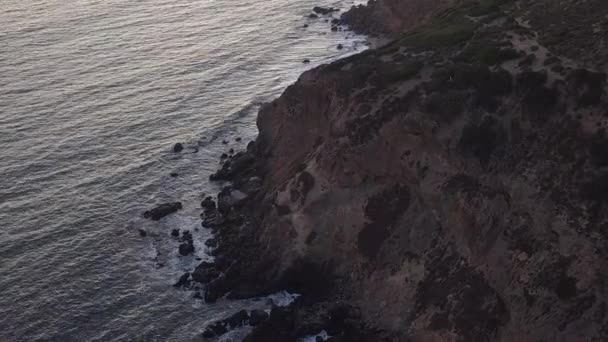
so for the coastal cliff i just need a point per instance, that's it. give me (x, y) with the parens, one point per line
(448, 186)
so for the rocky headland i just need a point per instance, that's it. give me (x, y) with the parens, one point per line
(451, 185)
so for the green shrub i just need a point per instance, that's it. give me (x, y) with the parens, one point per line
(442, 31)
(394, 72)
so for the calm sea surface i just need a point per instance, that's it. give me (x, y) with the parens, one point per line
(93, 94)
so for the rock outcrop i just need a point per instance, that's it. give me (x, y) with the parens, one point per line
(162, 210)
(448, 186)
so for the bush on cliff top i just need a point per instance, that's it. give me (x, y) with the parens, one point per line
(444, 30)
(487, 52)
(484, 7)
(395, 72)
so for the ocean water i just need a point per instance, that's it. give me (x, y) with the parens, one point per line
(93, 95)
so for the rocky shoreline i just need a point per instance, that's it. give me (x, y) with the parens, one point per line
(448, 186)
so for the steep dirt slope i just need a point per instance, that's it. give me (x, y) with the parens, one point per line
(450, 186)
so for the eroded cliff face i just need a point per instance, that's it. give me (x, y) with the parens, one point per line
(451, 185)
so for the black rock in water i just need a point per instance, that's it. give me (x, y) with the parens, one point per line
(175, 232)
(257, 316)
(162, 210)
(187, 245)
(238, 319)
(211, 243)
(215, 329)
(208, 203)
(173, 174)
(306, 61)
(205, 272)
(340, 46)
(186, 248)
(313, 16)
(324, 10)
(178, 147)
(183, 281)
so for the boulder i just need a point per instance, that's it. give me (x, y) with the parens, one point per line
(238, 319)
(186, 248)
(177, 148)
(213, 220)
(240, 163)
(229, 197)
(215, 329)
(173, 174)
(175, 232)
(257, 316)
(208, 203)
(162, 210)
(184, 280)
(313, 16)
(187, 245)
(324, 10)
(205, 272)
(211, 243)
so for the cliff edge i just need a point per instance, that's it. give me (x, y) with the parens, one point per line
(449, 186)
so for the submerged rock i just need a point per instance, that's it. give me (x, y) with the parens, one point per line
(162, 210)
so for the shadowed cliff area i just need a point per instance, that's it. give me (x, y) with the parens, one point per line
(448, 186)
